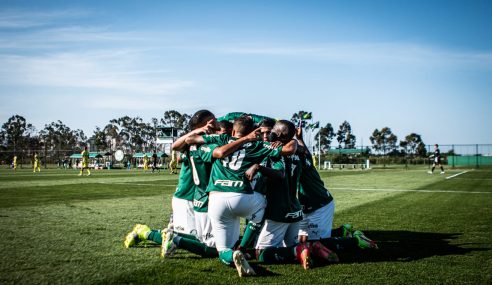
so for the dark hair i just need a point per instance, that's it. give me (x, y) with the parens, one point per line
(225, 124)
(198, 119)
(267, 122)
(243, 125)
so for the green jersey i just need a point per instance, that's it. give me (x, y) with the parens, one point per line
(312, 192)
(282, 203)
(234, 115)
(228, 173)
(185, 189)
(201, 162)
(259, 182)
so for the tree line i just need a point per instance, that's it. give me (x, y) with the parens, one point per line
(132, 134)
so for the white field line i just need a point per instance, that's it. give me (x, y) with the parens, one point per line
(449, 177)
(410, 190)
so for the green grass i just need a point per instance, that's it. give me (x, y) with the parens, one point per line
(61, 228)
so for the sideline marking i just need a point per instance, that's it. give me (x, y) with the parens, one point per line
(449, 177)
(411, 190)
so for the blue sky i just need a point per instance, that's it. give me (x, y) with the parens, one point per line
(413, 66)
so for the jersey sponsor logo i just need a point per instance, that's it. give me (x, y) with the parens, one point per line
(268, 145)
(294, 215)
(205, 148)
(192, 147)
(247, 144)
(229, 183)
(197, 203)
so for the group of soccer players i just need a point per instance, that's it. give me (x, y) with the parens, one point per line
(259, 170)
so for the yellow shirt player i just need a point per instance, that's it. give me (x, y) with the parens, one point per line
(315, 161)
(37, 165)
(14, 162)
(146, 162)
(174, 163)
(85, 162)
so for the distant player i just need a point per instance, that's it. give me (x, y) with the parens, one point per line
(37, 164)
(437, 159)
(85, 162)
(173, 163)
(14, 163)
(145, 162)
(154, 162)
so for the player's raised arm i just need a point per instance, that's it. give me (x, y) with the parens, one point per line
(225, 150)
(182, 142)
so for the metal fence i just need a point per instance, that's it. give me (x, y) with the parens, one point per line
(454, 155)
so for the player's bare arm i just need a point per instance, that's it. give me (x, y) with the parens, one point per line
(271, 173)
(290, 148)
(181, 143)
(225, 150)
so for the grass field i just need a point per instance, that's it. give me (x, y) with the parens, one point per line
(59, 228)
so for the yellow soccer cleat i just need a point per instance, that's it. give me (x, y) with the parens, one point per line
(131, 239)
(142, 231)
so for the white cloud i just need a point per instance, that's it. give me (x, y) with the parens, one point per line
(107, 69)
(19, 19)
(366, 53)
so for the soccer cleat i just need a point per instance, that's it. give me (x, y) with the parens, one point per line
(131, 239)
(442, 172)
(142, 231)
(430, 172)
(322, 252)
(168, 246)
(242, 265)
(303, 256)
(364, 242)
(347, 230)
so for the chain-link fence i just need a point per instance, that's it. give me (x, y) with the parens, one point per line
(453, 155)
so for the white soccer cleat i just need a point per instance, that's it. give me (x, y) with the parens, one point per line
(168, 246)
(442, 172)
(430, 172)
(242, 265)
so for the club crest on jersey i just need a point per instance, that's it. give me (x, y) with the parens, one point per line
(248, 144)
(229, 183)
(205, 148)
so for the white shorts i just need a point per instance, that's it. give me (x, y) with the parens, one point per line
(317, 225)
(225, 210)
(204, 228)
(276, 234)
(183, 216)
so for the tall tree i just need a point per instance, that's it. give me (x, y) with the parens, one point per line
(301, 117)
(384, 140)
(100, 139)
(326, 134)
(175, 119)
(345, 137)
(15, 133)
(411, 143)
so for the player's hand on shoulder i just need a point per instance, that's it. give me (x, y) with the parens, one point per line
(251, 172)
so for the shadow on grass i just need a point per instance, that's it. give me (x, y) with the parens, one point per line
(407, 246)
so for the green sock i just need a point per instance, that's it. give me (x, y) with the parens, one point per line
(272, 255)
(340, 243)
(196, 247)
(155, 236)
(226, 257)
(250, 234)
(188, 236)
